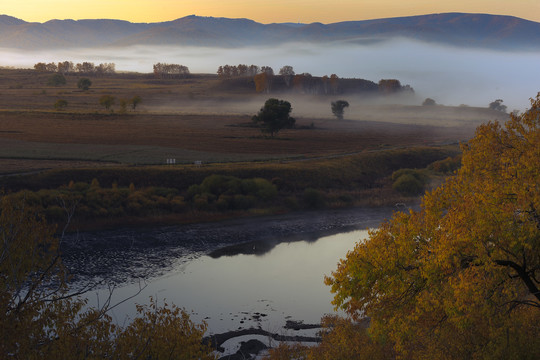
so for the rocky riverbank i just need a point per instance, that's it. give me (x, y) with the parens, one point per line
(126, 255)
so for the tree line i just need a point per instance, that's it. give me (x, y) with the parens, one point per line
(170, 71)
(68, 67)
(266, 81)
(160, 70)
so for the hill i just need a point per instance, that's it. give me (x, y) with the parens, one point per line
(457, 29)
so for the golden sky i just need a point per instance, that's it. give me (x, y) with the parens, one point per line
(264, 11)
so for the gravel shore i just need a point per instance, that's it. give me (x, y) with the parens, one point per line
(127, 255)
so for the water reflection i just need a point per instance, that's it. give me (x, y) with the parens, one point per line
(242, 291)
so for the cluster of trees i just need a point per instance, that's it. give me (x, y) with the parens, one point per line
(224, 192)
(457, 279)
(108, 100)
(214, 193)
(242, 70)
(170, 71)
(86, 68)
(305, 83)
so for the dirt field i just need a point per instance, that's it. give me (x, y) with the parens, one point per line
(197, 119)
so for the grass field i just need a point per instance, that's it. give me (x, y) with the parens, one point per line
(203, 119)
(198, 119)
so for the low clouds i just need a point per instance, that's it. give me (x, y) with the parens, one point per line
(450, 75)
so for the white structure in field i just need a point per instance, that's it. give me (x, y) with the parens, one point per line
(171, 161)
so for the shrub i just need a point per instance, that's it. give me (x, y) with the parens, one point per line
(220, 184)
(408, 185)
(84, 84)
(446, 166)
(237, 190)
(418, 174)
(265, 189)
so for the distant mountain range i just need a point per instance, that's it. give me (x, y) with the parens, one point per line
(457, 29)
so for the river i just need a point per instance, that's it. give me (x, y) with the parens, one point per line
(240, 274)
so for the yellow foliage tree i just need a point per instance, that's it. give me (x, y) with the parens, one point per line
(459, 279)
(340, 339)
(41, 319)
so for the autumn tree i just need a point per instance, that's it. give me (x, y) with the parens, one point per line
(389, 86)
(105, 69)
(303, 83)
(340, 339)
(263, 82)
(107, 101)
(43, 67)
(85, 67)
(338, 108)
(274, 116)
(65, 67)
(334, 83)
(459, 278)
(40, 318)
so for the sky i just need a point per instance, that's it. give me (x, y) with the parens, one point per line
(264, 11)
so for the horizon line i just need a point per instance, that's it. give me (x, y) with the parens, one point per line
(269, 23)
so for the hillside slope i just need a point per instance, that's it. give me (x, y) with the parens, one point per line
(457, 29)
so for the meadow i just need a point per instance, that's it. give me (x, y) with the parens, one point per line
(204, 124)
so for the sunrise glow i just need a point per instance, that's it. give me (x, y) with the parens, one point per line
(305, 11)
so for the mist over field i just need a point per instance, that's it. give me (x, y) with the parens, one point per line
(449, 75)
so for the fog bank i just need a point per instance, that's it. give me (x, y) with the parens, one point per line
(449, 75)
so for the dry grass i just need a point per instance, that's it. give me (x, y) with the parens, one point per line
(196, 119)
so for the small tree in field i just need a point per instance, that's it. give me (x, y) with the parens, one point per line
(84, 84)
(107, 101)
(274, 116)
(136, 100)
(338, 108)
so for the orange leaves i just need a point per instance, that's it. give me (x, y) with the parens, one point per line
(162, 332)
(450, 280)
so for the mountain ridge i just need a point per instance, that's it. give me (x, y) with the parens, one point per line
(457, 29)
